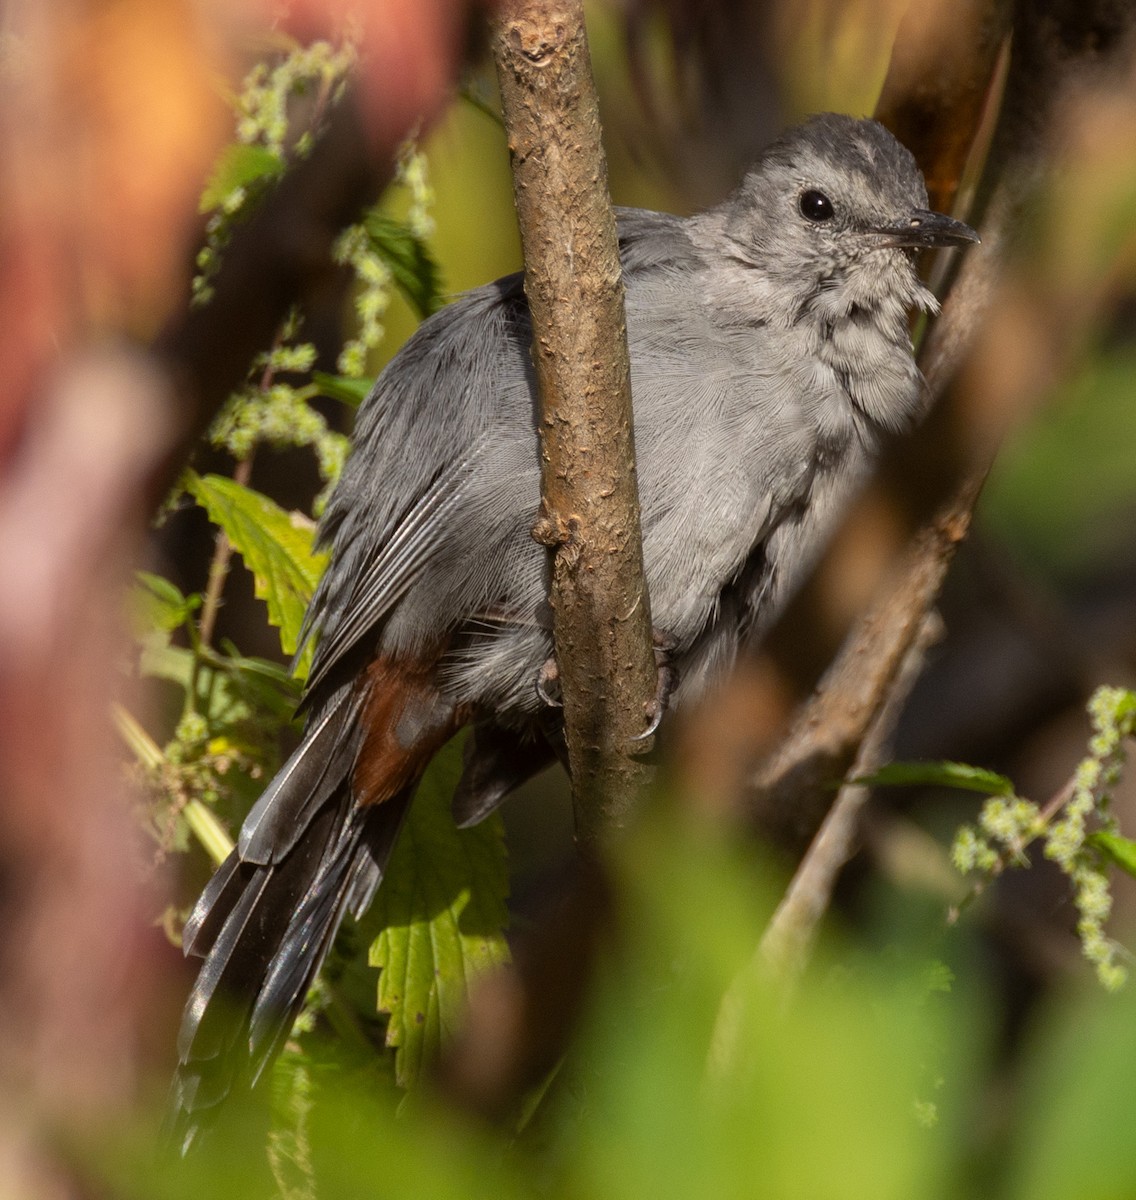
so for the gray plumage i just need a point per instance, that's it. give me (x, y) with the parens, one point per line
(769, 353)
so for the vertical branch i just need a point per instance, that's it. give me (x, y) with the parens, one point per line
(590, 504)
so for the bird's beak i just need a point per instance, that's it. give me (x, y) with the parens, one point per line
(925, 229)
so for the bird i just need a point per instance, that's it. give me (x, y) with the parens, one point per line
(770, 353)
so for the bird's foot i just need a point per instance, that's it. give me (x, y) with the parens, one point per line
(665, 679)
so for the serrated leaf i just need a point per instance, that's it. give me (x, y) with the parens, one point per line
(345, 388)
(410, 262)
(275, 548)
(940, 774)
(1120, 850)
(442, 912)
(239, 166)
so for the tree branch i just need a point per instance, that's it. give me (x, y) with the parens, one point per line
(938, 83)
(792, 929)
(590, 504)
(790, 791)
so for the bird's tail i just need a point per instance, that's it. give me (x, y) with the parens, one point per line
(307, 855)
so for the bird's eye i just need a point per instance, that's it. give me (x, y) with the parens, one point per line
(815, 206)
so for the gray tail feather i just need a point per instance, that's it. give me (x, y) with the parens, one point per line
(264, 930)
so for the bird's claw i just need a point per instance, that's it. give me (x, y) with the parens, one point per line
(665, 679)
(655, 708)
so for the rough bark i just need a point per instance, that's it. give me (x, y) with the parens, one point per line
(590, 505)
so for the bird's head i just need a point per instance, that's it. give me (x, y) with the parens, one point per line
(833, 212)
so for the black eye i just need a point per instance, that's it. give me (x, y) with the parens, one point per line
(815, 206)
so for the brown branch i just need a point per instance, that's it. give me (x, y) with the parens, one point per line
(789, 937)
(790, 791)
(938, 84)
(590, 505)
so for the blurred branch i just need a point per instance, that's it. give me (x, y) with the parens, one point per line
(1058, 46)
(790, 791)
(589, 495)
(792, 929)
(938, 84)
(521, 1017)
(80, 967)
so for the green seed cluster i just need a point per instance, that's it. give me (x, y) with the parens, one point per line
(1112, 712)
(276, 411)
(414, 175)
(266, 121)
(1007, 825)
(264, 103)
(355, 248)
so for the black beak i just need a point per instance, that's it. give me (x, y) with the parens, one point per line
(925, 229)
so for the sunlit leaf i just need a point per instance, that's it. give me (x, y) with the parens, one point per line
(160, 604)
(1120, 850)
(344, 388)
(276, 549)
(940, 774)
(442, 913)
(162, 661)
(239, 166)
(266, 685)
(410, 262)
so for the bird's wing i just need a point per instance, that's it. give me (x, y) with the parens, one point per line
(354, 607)
(422, 436)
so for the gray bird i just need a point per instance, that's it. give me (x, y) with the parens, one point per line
(770, 351)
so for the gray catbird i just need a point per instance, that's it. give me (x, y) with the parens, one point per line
(769, 352)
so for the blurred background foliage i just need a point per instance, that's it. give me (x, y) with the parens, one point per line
(914, 1056)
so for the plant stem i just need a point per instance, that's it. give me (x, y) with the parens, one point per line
(222, 547)
(219, 567)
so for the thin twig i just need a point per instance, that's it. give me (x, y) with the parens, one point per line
(791, 932)
(790, 792)
(222, 547)
(219, 568)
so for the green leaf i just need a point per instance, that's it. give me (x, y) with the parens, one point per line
(266, 686)
(239, 166)
(160, 604)
(1072, 1139)
(276, 549)
(1120, 850)
(345, 388)
(940, 774)
(163, 661)
(442, 912)
(411, 264)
